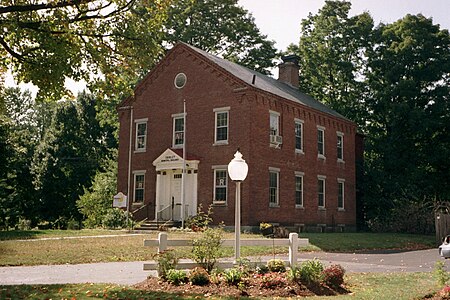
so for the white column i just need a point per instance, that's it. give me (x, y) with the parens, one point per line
(158, 193)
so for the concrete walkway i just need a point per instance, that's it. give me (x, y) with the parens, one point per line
(131, 272)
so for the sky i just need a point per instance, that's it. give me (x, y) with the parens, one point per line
(280, 19)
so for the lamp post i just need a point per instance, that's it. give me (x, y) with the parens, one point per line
(237, 170)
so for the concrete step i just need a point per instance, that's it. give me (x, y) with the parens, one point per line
(158, 225)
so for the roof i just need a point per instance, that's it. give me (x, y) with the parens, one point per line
(267, 83)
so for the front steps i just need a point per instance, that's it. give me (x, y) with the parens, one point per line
(157, 225)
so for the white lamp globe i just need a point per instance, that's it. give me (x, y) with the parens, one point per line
(237, 168)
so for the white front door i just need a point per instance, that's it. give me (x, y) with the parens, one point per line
(175, 195)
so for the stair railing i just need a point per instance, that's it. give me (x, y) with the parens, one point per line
(164, 213)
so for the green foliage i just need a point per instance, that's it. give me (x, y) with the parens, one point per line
(262, 269)
(207, 249)
(310, 271)
(273, 280)
(221, 27)
(199, 276)
(115, 218)
(201, 220)
(73, 225)
(97, 200)
(233, 276)
(276, 265)
(333, 275)
(440, 273)
(176, 277)
(167, 260)
(24, 224)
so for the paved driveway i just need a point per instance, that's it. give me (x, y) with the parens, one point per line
(131, 272)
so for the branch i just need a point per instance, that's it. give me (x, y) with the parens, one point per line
(11, 51)
(36, 7)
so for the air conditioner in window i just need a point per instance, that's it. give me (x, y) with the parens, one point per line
(276, 139)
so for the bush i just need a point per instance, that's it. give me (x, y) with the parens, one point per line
(24, 224)
(176, 276)
(233, 276)
(201, 220)
(293, 274)
(262, 269)
(276, 265)
(333, 275)
(73, 224)
(207, 249)
(442, 276)
(199, 276)
(114, 218)
(273, 280)
(167, 260)
(311, 271)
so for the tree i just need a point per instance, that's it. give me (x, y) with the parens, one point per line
(409, 122)
(97, 200)
(332, 57)
(67, 158)
(103, 42)
(223, 28)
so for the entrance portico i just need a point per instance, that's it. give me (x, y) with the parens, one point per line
(169, 177)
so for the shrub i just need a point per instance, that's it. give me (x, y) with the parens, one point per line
(276, 265)
(233, 276)
(333, 275)
(215, 276)
(206, 250)
(73, 224)
(444, 292)
(272, 280)
(199, 276)
(167, 260)
(311, 271)
(114, 218)
(442, 276)
(201, 220)
(262, 269)
(176, 276)
(24, 224)
(293, 274)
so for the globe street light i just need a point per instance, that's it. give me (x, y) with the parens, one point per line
(237, 170)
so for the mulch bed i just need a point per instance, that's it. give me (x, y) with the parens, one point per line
(252, 289)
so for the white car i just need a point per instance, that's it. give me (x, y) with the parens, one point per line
(444, 249)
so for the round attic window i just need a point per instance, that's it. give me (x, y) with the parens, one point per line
(180, 80)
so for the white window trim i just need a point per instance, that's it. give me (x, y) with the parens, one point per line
(340, 134)
(301, 175)
(220, 168)
(277, 195)
(137, 122)
(135, 174)
(341, 180)
(321, 156)
(299, 121)
(216, 112)
(175, 117)
(323, 178)
(277, 114)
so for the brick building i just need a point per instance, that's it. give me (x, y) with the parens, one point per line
(300, 153)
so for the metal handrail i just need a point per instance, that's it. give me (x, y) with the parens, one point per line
(159, 212)
(139, 209)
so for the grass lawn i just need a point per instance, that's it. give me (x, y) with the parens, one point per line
(362, 286)
(15, 251)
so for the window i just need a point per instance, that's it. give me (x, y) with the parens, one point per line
(298, 189)
(341, 193)
(139, 184)
(298, 136)
(273, 187)
(321, 191)
(141, 135)
(178, 131)
(321, 141)
(340, 146)
(221, 130)
(220, 186)
(274, 123)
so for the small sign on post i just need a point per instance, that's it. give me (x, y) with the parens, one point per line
(120, 200)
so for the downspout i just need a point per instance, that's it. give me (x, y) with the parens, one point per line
(129, 162)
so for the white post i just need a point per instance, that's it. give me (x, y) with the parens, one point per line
(129, 163)
(183, 175)
(293, 248)
(237, 223)
(162, 242)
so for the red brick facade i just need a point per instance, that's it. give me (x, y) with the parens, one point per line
(210, 87)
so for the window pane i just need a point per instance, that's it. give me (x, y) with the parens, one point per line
(339, 147)
(298, 191)
(320, 142)
(298, 136)
(222, 134)
(220, 189)
(222, 119)
(321, 192)
(274, 124)
(179, 131)
(273, 187)
(221, 194)
(340, 194)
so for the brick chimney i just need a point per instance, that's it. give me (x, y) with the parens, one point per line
(288, 70)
